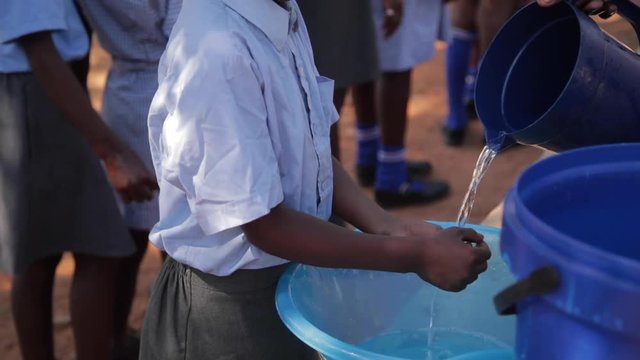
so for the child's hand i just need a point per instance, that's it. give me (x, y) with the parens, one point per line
(453, 258)
(603, 8)
(129, 176)
(392, 16)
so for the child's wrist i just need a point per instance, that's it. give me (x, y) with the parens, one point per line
(386, 225)
(408, 254)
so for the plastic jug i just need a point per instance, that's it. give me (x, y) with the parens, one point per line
(553, 78)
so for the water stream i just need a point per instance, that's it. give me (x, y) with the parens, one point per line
(482, 165)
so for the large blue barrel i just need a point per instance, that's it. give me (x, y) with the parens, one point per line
(578, 213)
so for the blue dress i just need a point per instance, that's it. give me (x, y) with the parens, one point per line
(54, 195)
(135, 33)
(423, 22)
(343, 39)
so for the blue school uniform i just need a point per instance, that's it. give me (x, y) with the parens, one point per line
(239, 125)
(134, 33)
(55, 195)
(19, 18)
(423, 22)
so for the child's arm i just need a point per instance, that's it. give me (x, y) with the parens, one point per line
(351, 204)
(229, 185)
(126, 171)
(443, 259)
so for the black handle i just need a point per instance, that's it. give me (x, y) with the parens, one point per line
(631, 13)
(539, 282)
(628, 10)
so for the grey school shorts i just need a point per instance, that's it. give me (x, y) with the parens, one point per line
(196, 316)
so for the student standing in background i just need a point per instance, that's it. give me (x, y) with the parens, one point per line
(135, 34)
(55, 196)
(342, 35)
(474, 25)
(398, 182)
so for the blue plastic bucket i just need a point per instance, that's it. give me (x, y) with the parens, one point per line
(577, 213)
(372, 315)
(552, 78)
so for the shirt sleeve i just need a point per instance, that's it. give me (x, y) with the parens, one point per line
(216, 145)
(23, 17)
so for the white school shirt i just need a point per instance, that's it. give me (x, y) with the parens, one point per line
(423, 22)
(23, 17)
(240, 124)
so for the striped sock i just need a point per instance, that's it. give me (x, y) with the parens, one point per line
(470, 84)
(391, 172)
(367, 136)
(458, 54)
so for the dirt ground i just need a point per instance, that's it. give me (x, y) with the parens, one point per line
(427, 109)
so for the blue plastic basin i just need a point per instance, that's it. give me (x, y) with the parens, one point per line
(358, 314)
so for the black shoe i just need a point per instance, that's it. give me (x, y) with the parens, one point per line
(367, 174)
(434, 190)
(453, 137)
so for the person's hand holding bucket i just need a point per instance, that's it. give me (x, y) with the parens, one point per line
(602, 8)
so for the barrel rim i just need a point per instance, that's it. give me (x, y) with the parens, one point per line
(564, 242)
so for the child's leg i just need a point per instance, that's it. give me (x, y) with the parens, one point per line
(463, 39)
(369, 137)
(339, 95)
(458, 58)
(469, 97)
(394, 97)
(338, 100)
(470, 81)
(125, 290)
(367, 132)
(31, 302)
(92, 306)
(364, 102)
(394, 186)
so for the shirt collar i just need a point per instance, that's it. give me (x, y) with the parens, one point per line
(268, 16)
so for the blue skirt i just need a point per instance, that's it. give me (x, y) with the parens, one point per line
(55, 196)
